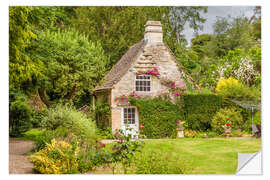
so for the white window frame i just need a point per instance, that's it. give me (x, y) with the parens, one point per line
(150, 80)
(135, 115)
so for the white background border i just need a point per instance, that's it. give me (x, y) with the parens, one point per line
(265, 78)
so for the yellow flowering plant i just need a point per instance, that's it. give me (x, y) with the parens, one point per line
(58, 157)
(232, 88)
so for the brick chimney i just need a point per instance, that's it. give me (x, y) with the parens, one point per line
(153, 32)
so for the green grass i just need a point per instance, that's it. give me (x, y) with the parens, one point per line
(32, 134)
(206, 156)
(198, 155)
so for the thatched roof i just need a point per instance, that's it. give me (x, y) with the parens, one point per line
(121, 67)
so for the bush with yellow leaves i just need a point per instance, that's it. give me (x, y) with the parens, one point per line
(56, 158)
(232, 88)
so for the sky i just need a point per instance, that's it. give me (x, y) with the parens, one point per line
(218, 11)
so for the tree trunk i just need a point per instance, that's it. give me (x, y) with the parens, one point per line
(41, 92)
(70, 96)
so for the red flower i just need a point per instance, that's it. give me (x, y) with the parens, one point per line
(142, 126)
(227, 124)
(178, 121)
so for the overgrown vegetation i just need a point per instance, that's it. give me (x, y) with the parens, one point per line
(158, 116)
(56, 158)
(20, 114)
(68, 124)
(59, 54)
(227, 116)
(198, 109)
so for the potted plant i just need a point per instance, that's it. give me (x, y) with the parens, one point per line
(227, 129)
(180, 128)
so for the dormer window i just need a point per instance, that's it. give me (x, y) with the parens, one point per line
(143, 83)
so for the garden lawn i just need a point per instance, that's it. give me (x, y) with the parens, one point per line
(206, 156)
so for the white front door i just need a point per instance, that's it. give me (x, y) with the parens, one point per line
(130, 123)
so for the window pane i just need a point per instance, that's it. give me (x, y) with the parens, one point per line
(148, 83)
(148, 88)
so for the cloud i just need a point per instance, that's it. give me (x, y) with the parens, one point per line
(218, 11)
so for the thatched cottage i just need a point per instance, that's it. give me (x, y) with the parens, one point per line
(138, 72)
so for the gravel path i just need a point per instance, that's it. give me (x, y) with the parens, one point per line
(18, 160)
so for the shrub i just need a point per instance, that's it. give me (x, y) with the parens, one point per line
(33, 134)
(158, 116)
(227, 116)
(239, 133)
(232, 88)
(257, 118)
(89, 158)
(56, 158)
(45, 137)
(190, 133)
(19, 118)
(37, 118)
(71, 121)
(103, 115)
(125, 149)
(106, 133)
(198, 109)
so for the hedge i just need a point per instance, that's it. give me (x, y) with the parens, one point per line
(199, 109)
(196, 109)
(158, 116)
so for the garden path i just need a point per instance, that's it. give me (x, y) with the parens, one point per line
(18, 160)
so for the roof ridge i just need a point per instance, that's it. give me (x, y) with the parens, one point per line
(181, 65)
(121, 67)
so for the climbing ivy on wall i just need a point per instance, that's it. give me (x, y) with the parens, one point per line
(103, 115)
(158, 117)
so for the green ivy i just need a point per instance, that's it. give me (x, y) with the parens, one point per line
(103, 115)
(158, 116)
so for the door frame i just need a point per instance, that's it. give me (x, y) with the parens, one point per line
(136, 119)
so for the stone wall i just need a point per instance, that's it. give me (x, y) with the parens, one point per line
(152, 55)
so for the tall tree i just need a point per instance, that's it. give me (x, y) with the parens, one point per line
(21, 67)
(117, 28)
(72, 64)
(199, 42)
(24, 24)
